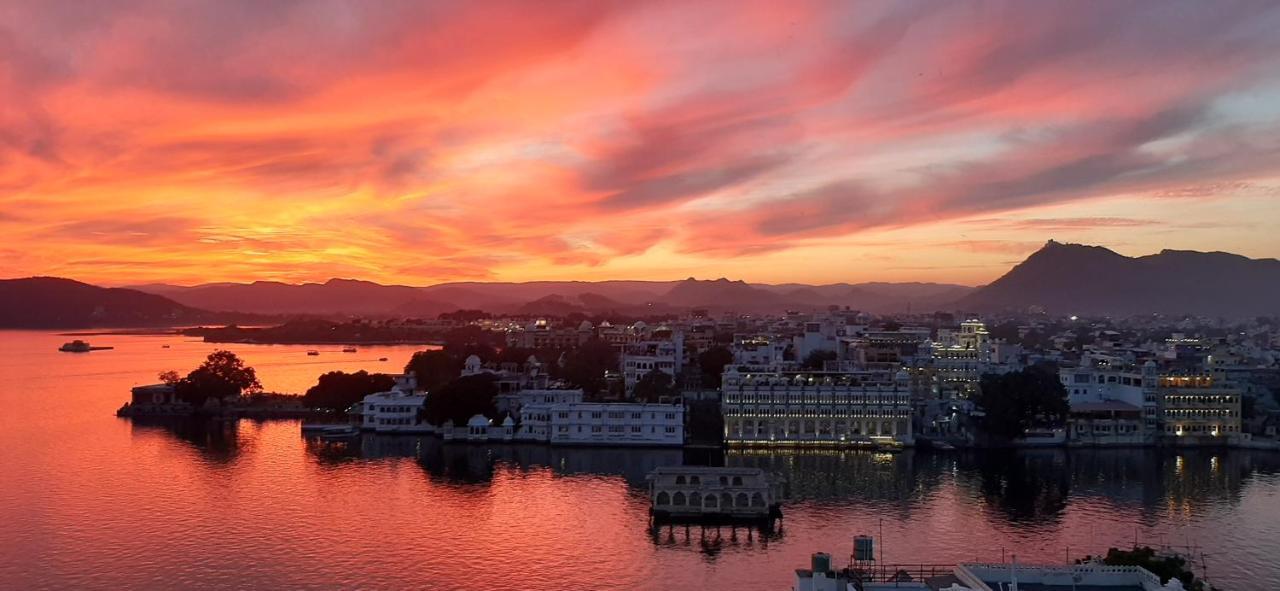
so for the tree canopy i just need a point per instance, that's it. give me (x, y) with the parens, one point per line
(817, 359)
(461, 399)
(222, 375)
(651, 387)
(339, 390)
(433, 368)
(586, 365)
(1016, 401)
(711, 362)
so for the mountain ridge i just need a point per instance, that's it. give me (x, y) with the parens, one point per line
(1064, 278)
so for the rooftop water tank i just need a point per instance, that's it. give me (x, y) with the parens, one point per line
(821, 562)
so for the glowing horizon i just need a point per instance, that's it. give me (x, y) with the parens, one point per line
(411, 143)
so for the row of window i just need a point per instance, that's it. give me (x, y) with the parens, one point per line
(725, 500)
(395, 421)
(394, 408)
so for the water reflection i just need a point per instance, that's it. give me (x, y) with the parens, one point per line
(1017, 485)
(218, 440)
(463, 463)
(712, 540)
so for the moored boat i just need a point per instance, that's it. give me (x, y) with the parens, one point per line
(79, 346)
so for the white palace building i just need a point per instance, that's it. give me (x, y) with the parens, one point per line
(816, 408)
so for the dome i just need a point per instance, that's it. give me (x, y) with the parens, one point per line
(507, 422)
(478, 421)
(585, 325)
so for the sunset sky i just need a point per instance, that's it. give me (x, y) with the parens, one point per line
(420, 142)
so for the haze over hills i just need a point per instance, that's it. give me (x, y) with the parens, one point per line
(555, 298)
(51, 302)
(1092, 280)
(1060, 278)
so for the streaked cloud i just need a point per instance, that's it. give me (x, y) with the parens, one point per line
(414, 142)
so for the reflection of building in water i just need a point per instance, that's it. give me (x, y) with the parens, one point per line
(816, 408)
(711, 540)
(904, 478)
(474, 463)
(217, 438)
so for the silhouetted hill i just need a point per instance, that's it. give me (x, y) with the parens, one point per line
(553, 298)
(335, 296)
(1078, 279)
(723, 294)
(51, 302)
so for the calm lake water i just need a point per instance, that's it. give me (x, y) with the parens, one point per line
(92, 501)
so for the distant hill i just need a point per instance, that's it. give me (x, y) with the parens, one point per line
(554, 298)
(335, 296)
(1092, 280)
(51, 302)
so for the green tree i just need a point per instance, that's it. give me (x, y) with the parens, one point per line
(339, 390)
(712, 362)
(222, 375)
(1016, 401)
(432, 368)
(468, 340)
(586, 365)
(653, 386)
(461, 399)
(818, 359)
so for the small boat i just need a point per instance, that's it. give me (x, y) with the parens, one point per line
(313, 353)
(943, 446)
(164, 346)
(340, 432)
(382, 359)
(324, 427)
(79, 346)
(348, 349)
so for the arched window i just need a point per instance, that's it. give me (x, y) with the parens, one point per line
(737, 481)
(757, 500)
(696, 481)
(724, 481)
(678, 499)
(695, 500)
(680, 479)
(742, 500)
(726, 500)
(710, 501)
(664, 498)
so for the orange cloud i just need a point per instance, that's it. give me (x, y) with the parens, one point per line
(415, 142)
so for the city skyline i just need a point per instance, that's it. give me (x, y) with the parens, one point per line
(816, 142)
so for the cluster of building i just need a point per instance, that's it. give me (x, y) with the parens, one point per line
(529, 410)
(845, 378)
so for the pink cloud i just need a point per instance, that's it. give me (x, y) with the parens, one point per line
(486, 139)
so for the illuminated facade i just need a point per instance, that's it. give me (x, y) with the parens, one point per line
(816, 408)
(1198, 409)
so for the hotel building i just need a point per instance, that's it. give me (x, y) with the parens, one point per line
(816, 408)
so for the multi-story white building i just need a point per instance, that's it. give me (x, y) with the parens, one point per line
(758, 351)
(1104, 380)
(589, 423)
(959, 359)
(820, 408)
(512, 403)
(1198, 410)
(638, 359)
(395, 411)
